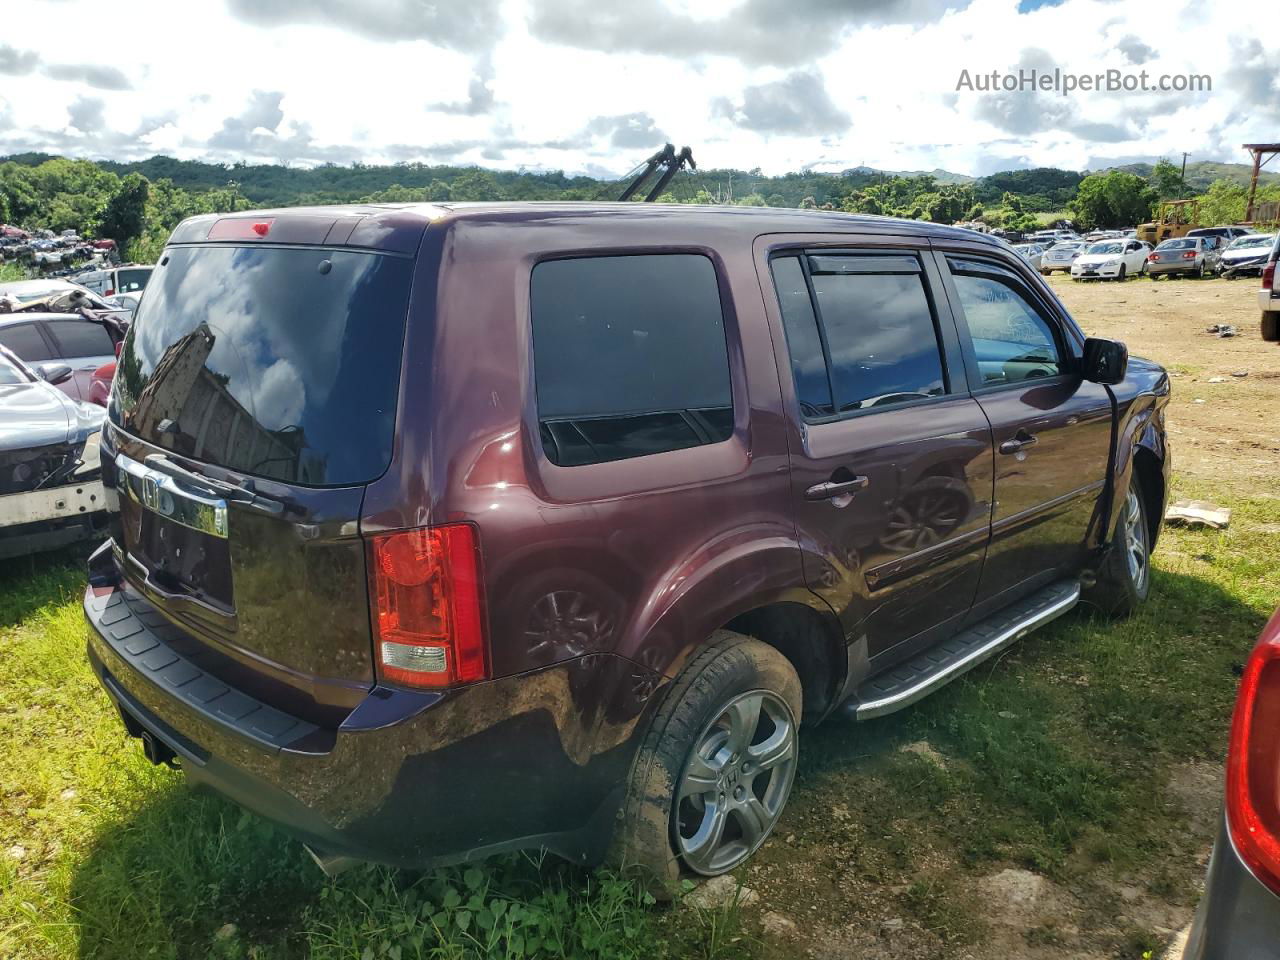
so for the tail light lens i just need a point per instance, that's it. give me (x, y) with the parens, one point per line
(428, 616)
(1253, 761)
(1152, 257)
(1189, 255)
(1269, 276)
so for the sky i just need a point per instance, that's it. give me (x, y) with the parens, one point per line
(589, 86)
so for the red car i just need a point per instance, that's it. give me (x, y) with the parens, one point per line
(1239, 915)
(100, 383)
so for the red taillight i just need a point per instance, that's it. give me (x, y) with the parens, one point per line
(428, 617)
(1269, 276)
(240, 228)
(109, 293)
(1153, 257)
(1253, 761)
(1189, 255)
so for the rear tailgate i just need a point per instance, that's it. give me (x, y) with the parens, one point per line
(254, 399)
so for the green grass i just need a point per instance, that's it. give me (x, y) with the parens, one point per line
(1058, 758)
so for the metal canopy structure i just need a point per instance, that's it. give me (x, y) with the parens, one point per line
(666, 157)
(1259, 151)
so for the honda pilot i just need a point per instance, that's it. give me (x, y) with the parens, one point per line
(440, 530)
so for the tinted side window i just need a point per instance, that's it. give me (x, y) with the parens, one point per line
(630, 356)
(81, 338)
(1011, 339)
(804, 343)
(25, 340)
(879, 329)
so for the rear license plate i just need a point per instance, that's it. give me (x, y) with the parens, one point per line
(179, 538)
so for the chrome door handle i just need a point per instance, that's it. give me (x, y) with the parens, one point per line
(1019, 442)
(835, 488)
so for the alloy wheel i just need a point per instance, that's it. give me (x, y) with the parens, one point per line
(735, 782)
(1135, 541)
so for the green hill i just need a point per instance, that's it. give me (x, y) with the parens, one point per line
(1201, 173)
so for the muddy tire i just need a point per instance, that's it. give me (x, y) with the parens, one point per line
(1124, 579)
(1120, 276)
(716, 766)
(1271, 326)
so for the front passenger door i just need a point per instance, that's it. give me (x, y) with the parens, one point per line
(1051, 429)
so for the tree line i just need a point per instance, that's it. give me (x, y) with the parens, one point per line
(138, 204)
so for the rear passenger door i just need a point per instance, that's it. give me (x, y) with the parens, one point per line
(891, 461)
(1051, 428)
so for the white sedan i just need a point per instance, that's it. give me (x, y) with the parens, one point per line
(1111, 260)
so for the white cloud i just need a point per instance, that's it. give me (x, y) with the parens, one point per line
(749, 83)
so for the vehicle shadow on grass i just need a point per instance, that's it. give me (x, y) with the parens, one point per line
(165, 878)
(168, 881)
(29, 581)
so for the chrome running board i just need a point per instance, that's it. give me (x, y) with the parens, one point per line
(939, 665)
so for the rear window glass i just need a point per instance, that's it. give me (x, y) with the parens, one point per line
(81, 338)
(131, 280)
(629, 356)
(279, 363)
(1177, 245)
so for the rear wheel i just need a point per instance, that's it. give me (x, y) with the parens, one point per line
(715, 770)
(1199, 271)
(1271, 326)
(1124, 579)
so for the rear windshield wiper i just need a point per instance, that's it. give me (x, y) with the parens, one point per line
(243, 495)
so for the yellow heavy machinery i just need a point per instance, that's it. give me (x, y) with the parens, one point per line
(1174, 218)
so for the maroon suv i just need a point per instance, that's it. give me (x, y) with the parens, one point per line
(446, 530)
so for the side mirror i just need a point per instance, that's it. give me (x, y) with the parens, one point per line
(54, 373)
(1105, 361)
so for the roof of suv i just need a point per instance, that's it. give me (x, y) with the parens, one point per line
(398, 227)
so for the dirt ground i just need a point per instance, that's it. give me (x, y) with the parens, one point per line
(822, 894)
(1221, 424)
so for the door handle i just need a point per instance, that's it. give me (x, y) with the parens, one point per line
(835, 488)
(1020, 441)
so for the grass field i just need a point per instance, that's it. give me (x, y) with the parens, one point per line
(102, 855)
(1086, 758)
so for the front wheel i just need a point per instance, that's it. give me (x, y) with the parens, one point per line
(1124, 580)
(1120, 275)
(715, 770)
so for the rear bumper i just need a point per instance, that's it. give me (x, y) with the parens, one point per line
(1238, 918)
(408, 779)
(1160, 269)
(1267, 302)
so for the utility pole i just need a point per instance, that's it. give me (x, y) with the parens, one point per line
(1259, 150)
(1184, 172)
